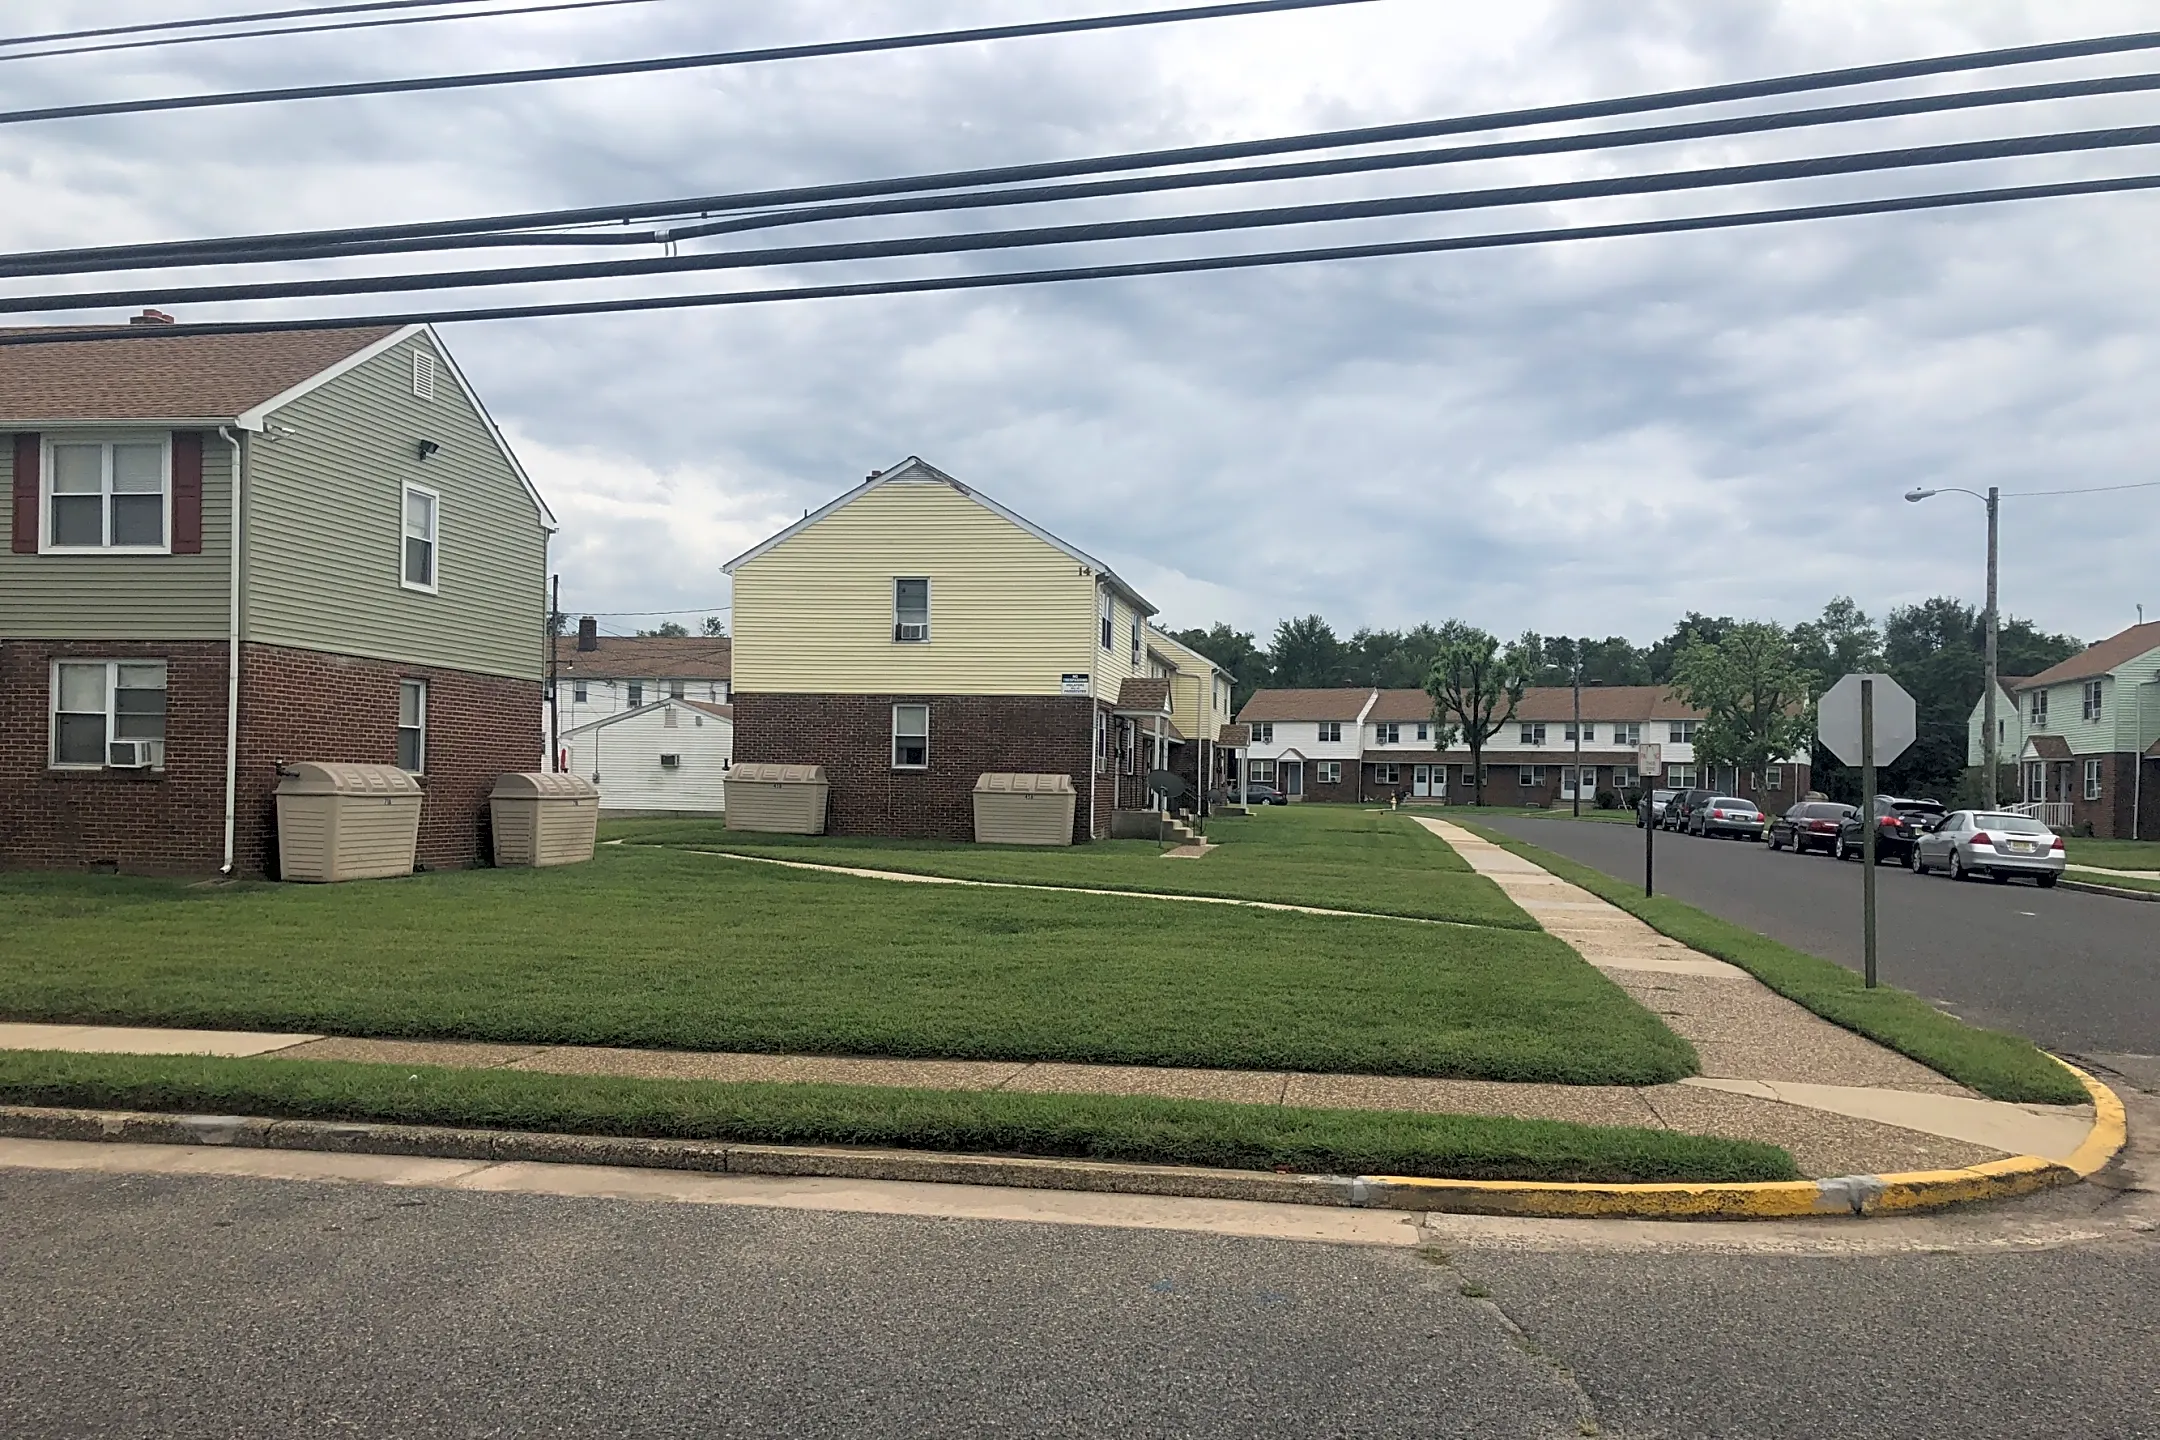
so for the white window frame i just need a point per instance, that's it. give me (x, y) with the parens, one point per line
(1102, 741)
(925, 737)
(1627, 732)
(1330, 773)
(423, 374)
(2039, 716)
(579, 695)
(1530, 777)
(420, 688)
(1680, 777)
(2092, 779)
(1589, 732)
(107, 439)
(1680, 732)
(1263, 732)
(1424, 730)
(1386, 775)
(112, 702)
(1387, 732)
(1330, 732)
(1260, 772)
(897, 622)
(1774, 778)
(1106, 612)
(1136, 637)
(2092, 699)
(434, 539)
(1533, 732)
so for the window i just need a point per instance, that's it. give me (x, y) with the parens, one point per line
(412, 726)
(1222, 695)
(1469, 774)
(1623, 776)
(2035, 782)
(1331, 730)
(579, 695)
(1107, 611)
(1136, 637)
(2092, 701)
(636, 693)
(911, 611)
(1774, 777)
(1263, 732)
(1331, 772)
(1530, 776)
(96, 702)
(1102, 740)
(671, 762)
(911, 737)
(1589, 733)
(1680, 777)
(2092, 779)
(670, 718)
(2039, 709)
(1629, 733)
(1260, 772)
(1385, 774)
(675, 689)
(421, 505)
(1388, 734)
(1680, 732)
(1533, 734)
(1424, 730)
(108, 494)
(423, 375)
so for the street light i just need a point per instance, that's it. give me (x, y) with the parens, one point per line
(1988, 758)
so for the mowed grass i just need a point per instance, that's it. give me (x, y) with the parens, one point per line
(1092, 1127)
(2114, 854)
(2148, 883)
(657, 948)
(1998, 1065)
(1332, 857)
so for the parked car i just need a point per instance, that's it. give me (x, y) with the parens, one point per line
(1264, 795)
(1991, 843)
(1810, 825)
(1726, 815)
(1899, 824)
(1653, 806)
(1682, 805)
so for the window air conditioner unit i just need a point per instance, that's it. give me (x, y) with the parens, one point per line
(908, 630)
(128, 755)
(670, 762)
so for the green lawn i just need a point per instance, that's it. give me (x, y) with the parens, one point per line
(1331, 856)
(2115, 854)
(653, 947)
(2000, 1066)
(2118, 882)
(1094, 1127)
(1556, 812)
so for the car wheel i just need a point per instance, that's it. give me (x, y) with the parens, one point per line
(1957, 868)
(1919, 863)
(1912, 860)
(2047, 882)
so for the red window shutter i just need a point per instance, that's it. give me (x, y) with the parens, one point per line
(26, 493)
(187, 448)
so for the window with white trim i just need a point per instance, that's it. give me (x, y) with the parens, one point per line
(2092, 700)
(1102, 740)
(1534, 734)
(1263, 732)
(1424, 730)
(1470, 774)
(108, 493)
(1530, 776)
(98, 702)
(675, 689)
(1623, 776)
(579, 695)
(1774, 777)
(412, 726)
(1260, 772)
(1680, 777)
(422, 512)
(911, 737)
(423, 375)
(911, 610)
(1680, 732)
(1627, 732)
(1106, 610)
(1330, 772)
(1385, 774)
(1331, 731)
(1389, 733)
(1589, 732)
(2092, 779)
(1136, 637)
(2039, 710)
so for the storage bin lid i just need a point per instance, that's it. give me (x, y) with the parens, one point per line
(1010, 783)
(531, 783)
(315, 777)
(764, 771)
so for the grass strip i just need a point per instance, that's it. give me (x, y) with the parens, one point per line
(2149, 883)
(1998, 1065)
(1091, 1127)
(2116, 854)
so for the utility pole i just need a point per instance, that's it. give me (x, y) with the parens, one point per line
(554, 647)
(1575, 780)
(1988, 757)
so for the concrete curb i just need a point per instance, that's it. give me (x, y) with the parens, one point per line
(1845, 1195)
(2091, 887)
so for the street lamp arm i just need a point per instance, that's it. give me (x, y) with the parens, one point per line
(1919, 493)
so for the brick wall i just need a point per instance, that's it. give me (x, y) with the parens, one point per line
(851, 736)
(295, 705)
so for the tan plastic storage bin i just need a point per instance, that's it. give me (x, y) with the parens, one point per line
(346, 822)
(785, 799)
(1023, 809)
(543, 819)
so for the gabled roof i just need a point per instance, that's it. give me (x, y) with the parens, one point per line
(1605, 702)
(1178, 648)
(647, 657)
(2047, 747)
(2096, 660)
(722, 712)
(1144, 696)
(1266, 705)
(917, 471)
(1602, 703)
(153, 377)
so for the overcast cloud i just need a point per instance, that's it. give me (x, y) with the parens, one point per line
(1584, 438)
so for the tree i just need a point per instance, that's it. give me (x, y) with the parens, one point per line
(1753, 692)
(669, 630)
(714, 627)
(1307, 656)
(1662, 658)
(1475, 686)
(1237, 652)
(1843, 642)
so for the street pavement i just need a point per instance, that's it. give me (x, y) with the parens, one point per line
(218, 1306)
(2075, 972)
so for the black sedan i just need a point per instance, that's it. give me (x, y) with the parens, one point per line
(1899, 824)
(1810, 825)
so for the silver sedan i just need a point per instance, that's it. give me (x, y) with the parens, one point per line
(1988, 842)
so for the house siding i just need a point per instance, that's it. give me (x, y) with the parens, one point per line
(622, 757)
(123, 597)
(325, 528)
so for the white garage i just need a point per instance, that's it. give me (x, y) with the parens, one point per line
(671, 757)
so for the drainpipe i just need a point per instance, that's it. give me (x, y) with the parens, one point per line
(232, 662)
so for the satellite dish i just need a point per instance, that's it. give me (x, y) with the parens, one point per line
(1166, 783)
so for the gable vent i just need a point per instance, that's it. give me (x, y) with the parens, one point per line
(423, 375)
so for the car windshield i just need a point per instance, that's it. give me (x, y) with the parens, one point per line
(2010, 824)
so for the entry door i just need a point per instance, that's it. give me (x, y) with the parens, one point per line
(1421, 780)
(1293, 779)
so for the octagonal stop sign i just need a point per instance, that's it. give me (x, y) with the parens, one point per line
(1837, 719)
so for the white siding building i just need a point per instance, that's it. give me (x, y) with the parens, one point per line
(669, 757)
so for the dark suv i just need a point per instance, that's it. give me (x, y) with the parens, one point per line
(1899, 824)
(1682, 807)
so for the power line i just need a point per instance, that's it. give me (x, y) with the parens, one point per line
(2088, 490)
(1042, 194)
(318, 29)
(207, 20)
(1663, 182)
(1195, 265)
(824, 49)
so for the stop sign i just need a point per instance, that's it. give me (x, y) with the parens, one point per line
(1837, 719)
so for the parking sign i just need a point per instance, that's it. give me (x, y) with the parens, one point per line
(1649, 761)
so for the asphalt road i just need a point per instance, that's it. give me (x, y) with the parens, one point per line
(2075, 972)
(241, 1308)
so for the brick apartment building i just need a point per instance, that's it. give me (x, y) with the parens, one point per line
(387, 605)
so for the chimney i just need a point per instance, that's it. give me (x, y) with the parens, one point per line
(151, 317)
(588, 633)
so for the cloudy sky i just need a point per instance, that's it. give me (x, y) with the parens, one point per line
(1588, 438)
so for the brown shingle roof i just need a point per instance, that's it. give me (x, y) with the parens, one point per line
(1144, 693)
(183, 377)
(1236, 736)
(1605, 702)
(2100, 658)
(725, 712)
(648, 657)
(1555, 702)
(1305, 704)
(2049, 747)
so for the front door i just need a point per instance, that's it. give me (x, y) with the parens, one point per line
(1421, 780)
(1293, 779)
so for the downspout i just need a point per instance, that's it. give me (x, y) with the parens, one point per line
(232, 663)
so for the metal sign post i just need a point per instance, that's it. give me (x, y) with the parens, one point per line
(1867, 720)
(1868, 825)
(1649, 766)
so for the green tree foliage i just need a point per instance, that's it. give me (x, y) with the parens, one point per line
(713, 627)
(1662, 659)
(669, 630)
(1391, 659)
(1475, 686)
(1611, 661)
(1237, 652)
(1307, 655)
(1843, 642)
(1753, 690)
